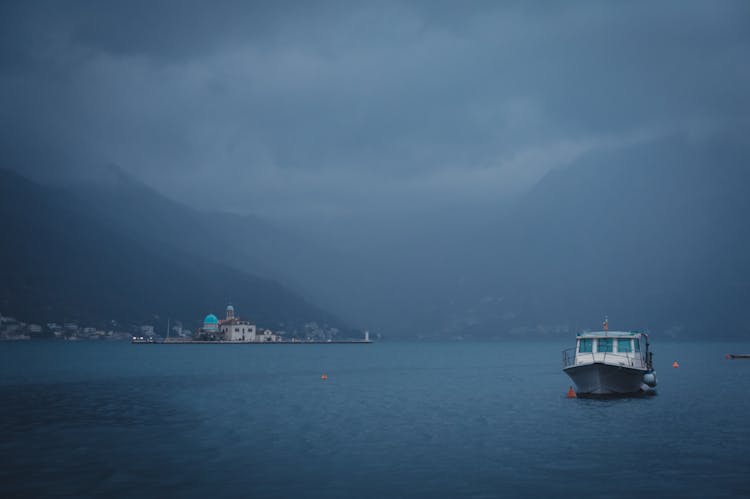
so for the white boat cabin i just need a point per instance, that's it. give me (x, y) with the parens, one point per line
(617, 348)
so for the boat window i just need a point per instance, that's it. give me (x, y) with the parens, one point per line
(623, 345)
(604, 345)
(637, 344)
(586, 345)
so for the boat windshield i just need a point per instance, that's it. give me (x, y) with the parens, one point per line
(586, 345)
(637, 343)
(604, 345)
(623, 345)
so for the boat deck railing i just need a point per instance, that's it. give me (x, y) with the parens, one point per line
(569, 357)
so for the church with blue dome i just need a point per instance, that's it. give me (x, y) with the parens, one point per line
(233, 329)
(211, 323)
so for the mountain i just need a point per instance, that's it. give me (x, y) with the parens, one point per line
(655, 235)
(243, 242)
(61, 260)
(393, 281)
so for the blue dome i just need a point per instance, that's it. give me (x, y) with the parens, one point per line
(210, 319)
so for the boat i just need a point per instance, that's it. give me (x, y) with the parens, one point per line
(610, 363)
(738, 355)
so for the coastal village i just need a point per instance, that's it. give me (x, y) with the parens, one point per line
(12, 329)
(230, 329)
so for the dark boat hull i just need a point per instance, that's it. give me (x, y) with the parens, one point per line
(605, 379)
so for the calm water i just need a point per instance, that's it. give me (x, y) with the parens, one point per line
(392, 420)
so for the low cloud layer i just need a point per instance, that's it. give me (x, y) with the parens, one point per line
(309, 111)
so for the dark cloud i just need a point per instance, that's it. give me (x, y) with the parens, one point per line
(313, 107)
(171, 31)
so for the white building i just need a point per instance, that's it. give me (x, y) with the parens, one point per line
(268, 336)
(234, 329)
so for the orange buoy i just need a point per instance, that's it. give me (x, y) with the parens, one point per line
(571, 393)
(324, 376)
(675, 364)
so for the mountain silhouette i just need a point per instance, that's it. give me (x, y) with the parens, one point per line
(62, 260)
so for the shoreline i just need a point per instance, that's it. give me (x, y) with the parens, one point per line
(222, 342)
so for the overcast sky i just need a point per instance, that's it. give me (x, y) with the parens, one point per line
(305, 109)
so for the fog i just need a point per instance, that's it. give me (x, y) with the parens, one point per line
(403, 137)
